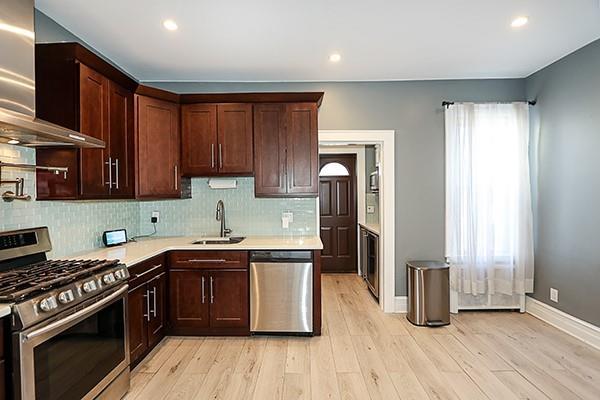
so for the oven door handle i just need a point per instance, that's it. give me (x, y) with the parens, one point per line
(86, 311)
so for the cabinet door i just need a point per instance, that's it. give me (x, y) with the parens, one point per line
(138, 322)
(188, 300)
(269, 150)
(120, 127)
(199, 139)
(302, 149)
(235, 155)
(156, 325)
(228, 291)
(93, 114)
(157, 148)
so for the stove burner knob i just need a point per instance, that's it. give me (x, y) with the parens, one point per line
(66, 296)
(120, 274)
(89, 286)
(48, 304)
(108, 278)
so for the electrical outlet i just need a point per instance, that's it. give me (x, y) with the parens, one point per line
(370, 209)
(288, 215)
(155, 217)
(554, 295)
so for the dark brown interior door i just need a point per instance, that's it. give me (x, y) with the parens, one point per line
(337, 199)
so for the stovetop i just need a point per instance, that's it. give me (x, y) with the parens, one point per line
(25, 282)
(41, 290)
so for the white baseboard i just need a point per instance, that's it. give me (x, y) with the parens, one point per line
(576, 327)
(400, 304)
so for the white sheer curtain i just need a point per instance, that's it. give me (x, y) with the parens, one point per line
(489, 234)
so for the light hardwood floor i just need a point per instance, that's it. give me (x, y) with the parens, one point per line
(366, 354)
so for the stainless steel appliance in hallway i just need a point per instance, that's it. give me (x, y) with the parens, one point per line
(281, 288)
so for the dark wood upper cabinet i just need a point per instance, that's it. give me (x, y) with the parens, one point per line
(93, 114)
(269, 150)
(286, 150)
(157, 146)
(235, 155)
(121, 137)
(199, 139)
(80, 91)
(302, 149)
(217, 139)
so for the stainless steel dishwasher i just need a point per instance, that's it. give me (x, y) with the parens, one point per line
(281, 292)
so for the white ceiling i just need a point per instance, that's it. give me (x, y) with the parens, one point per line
(290, 40)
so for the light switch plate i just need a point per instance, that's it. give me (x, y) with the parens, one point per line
(554, 295)
(370, 209)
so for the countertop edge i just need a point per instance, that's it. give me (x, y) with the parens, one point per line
(371, 228)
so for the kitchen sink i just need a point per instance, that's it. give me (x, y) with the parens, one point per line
(224, 240)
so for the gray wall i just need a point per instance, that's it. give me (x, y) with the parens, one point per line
(414, 111)
(566, 140)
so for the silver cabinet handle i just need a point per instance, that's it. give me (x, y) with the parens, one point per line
(176, 185)
(109, 163)
(212, 156)
(154, 297)
(210, 261)
(220, 156)
(116, 164)
(212, 296)
(147, 296)
(202, 291)
(147, 272)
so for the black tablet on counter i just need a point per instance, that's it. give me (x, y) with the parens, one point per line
(114, 238)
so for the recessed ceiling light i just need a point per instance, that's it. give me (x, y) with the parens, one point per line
(335, 57)
(13, 141)
(170, 25)
(519, 22)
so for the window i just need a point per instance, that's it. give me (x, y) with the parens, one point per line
(334, 169)
(488, 199)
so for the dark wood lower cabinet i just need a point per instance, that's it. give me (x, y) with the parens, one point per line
(138, 332)
(229, 299)
(146, 307)
(209, 302)
(188, 301)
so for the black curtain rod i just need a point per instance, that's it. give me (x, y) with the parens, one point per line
(451, 103)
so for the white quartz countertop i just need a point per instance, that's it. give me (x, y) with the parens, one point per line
(375, 228)
(5, 309)
(136, 252)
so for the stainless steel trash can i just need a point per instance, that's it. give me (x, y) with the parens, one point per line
(428, 293)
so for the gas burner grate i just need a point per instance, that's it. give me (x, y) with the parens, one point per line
(20, 283)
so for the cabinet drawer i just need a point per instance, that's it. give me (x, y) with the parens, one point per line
(208, 259)
(146, 270)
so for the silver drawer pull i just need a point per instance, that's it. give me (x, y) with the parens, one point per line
(212, 296)
(203, 295)
(147, 296)
(147, 272)
(212, 261)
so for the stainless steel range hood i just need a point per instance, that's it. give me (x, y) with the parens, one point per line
(18, 124)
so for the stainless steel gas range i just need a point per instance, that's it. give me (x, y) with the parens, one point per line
(68, 321)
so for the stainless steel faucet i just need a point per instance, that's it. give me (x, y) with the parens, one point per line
(220, 216)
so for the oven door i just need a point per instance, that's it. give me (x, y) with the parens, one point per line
(76, 355)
